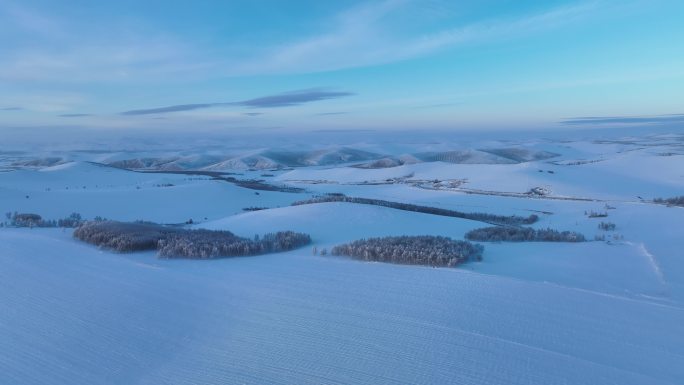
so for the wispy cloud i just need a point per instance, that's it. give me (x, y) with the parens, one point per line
(438, 105)
(46, 47)
(134, 52)
(365, 32)
(26, 20)
(175, 108)
(332, 113)
(608, 120)
(74, 115)
(37, 100)
(286, 99)
(294, 98)
(106, 62)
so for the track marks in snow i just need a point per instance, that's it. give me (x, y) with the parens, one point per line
(78, 315)
(653, 263)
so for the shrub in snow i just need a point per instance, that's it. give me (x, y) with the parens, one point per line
(254, 208)
(26, 220)
(482, 217)
(606, 226)
(73, 220)
(595, 214)
(522, 234)
(412, 250)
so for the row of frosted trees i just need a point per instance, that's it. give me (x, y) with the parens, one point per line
(512, 220)
(412, 250)
(176, 242)
(674, 201)
(205, 244)
(522, 234)
(34, 220)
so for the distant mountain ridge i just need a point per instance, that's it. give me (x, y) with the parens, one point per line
(274, 159)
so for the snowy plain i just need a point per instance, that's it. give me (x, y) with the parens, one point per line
(529, 313)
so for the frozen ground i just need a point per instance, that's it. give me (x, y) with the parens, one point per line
(93, 190)
(78, 315)
(534, 313)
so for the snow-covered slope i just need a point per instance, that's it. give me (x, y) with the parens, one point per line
(89, 317)
(259, 159)
(599, 312)
(624, 268)
(331, 223)
(94, 190)
(620, 176)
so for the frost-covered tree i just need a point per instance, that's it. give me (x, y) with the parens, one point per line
(73, 220)
(175, 242)
(412, 250)
(513, 220)
(522, 234)
(122, 236)
(674, 201)
(606, 226)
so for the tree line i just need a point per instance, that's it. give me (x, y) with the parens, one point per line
(176, 242)
(34, 220)
(412, 250)
(207, 244)
(522, 234)
(674, 201)
(606, 226)
(512, 220)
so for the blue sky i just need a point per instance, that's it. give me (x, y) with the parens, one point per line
(312, 65)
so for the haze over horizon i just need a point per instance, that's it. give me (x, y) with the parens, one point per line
(272, 66)
(325, 192)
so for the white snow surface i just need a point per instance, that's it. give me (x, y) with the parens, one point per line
(112, 193)
(77, 315)
(529, 313)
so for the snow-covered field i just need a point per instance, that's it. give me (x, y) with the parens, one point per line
(529, 313)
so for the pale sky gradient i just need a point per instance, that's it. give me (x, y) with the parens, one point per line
(236, 66)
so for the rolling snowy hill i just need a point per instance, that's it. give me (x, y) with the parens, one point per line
(597, 312)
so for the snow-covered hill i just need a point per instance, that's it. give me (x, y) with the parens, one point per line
(598, 312)
(76, 315)
(96, 190)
